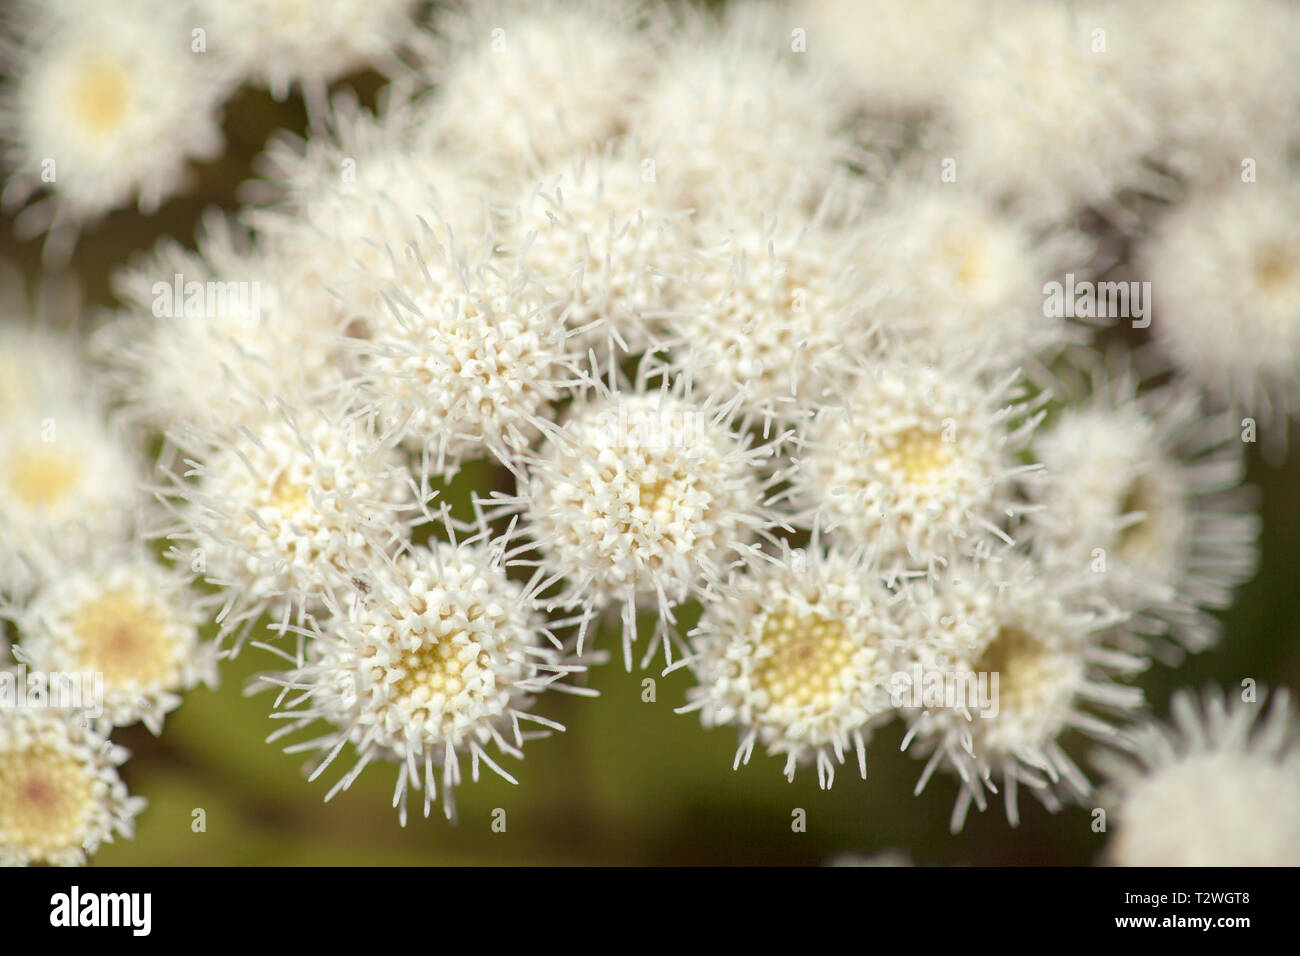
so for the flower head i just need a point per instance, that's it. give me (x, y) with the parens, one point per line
(440, 656)
(60, 793)
(1220, 787)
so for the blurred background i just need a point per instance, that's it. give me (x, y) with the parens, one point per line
(630, 782)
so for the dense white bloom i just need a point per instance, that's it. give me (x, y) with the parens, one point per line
(1217, 79)
(644, 498)
(68, 482)
(465, 358)
(439, 655)
(1224, 269)
(341, 204)
(605, 243)
(1040, 119)
(1008, 621)
(894, 57)
(38, 367)
(60, 793)
(795, 651)
(309, 42)
(209, 336)
(108, 103)
(517, 82)
(957, 275)
(1142, 500)
(1220, 787)
(737, 123)
(127, 618)
(775, 313)
(916, 460)
(286, 513)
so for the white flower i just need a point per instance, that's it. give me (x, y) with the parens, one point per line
(644, 498)
(67, 483)
(1220, 787)
(776, 313)
(795, 652)
(1217, 79)
(207, 336)
(341, 204)
(916, 460)
(1142, 499)
(465, 357)
(605, 244)
(517, 83)
(958, 275)
(37, 367)
(1224, 268)
(440, 656)
(894, 57)
(127, 618)
(107, 103)
(1028, 630)
(60, 793)
(1039, 119)
(309, 42)
(285, 514)
(738, 123)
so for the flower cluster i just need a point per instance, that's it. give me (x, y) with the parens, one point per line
(736, 314)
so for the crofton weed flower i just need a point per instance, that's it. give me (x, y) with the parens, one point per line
(1034, 633)
(916, 460)
(1006, 133)
(1224, 269)
(60, 793)
(1220, 787)
(736, 124)
(278, 43)
(438, 656)
(465, 357)
(68, 481)
(606, 246)
(128, 618)
(643, 498)
(106, 105)
(724, 327)
(287, 512)
(777, 314)
(557, 79)
(1143, 498)
(795, 651)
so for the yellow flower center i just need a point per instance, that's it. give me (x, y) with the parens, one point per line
(810, 657)
(919, 454)
(124, 638)
(44, 799)
(101, 95)
(43, 475)
(1022, 665)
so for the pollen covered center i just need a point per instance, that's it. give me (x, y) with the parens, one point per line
(968, 259)
(288, 495)
(44, 798)
(917, 454)
(1277, 271)
(101, 95)
(1147, 542)
(124, 638)
(805, 660)
(1022, 664)
(439, 670)
(43, 475)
